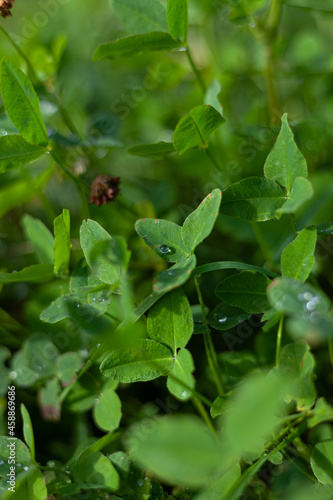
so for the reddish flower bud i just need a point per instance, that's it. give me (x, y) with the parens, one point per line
(104, 189)
(5, 6)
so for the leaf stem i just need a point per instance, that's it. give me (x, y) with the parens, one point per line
(199, 406)
(262, 243)
(20, 52)
(212, 159)
(195, 70)
(273, 18)
(278, 341)
(209, 346)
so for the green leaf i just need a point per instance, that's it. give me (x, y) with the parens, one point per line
(145, 361)
(293, 297)
(156, 151)
(326, 228)
(96, 471)
(285, 162)
(175, 276)
(62, 243)
(194, 129)
(41, 238)
(15, 152)
(41, 354)
(22, 104)
(297, 258)
(64, 306)
(68, 364)
(178, 449)
(253, 198)
(107, 257)
(177, 18)
(211, 96)
(220, 489)
(182, 372)
(322, 412)
(301, 192)
(199, 224)
(322, 462)
(246, 290)
(32, 274)
(219, 405)
(141, 17)
(135, 45)
(296, 363)
(21, 450)
(28, 432)
(224, 317)
(261, 399)
(164, 237)
(107, 410)
(170, 320)
(29, 484)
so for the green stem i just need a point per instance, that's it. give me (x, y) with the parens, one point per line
(20, 52)
(212, 159)
(278, 342)
(197, 403)
(262, 243)
(209, 346)
(195, 70)
(274, 15)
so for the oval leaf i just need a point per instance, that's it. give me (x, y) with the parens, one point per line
(15, 152)
(175, 276)
(322, 462)
(180, 379)
(107, 410)
(141, 17)
(297, 258)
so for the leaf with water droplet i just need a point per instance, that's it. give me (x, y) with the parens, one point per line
(224, 317)
(182, 372)
(285, 162)
(164, 237)
(175, 276)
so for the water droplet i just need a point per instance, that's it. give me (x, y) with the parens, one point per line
(174, 357)
(18, 464)
(183, 394)
(312, 304)
(164, 249)
(12, 375)
(140, 483)
(222, 318)
(1, 462)
(78, 305)
(26, 467)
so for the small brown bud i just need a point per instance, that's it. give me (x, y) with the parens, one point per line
(104, 189)
(5, 6)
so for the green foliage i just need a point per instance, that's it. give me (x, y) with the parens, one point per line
(166, 318)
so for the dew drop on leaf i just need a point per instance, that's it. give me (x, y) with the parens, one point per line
(164, 249)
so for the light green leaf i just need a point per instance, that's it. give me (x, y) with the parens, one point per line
(41, 238)
(15, 152)
(155, 151)
(253, 198)
(135, 45)
(21, 450)
(141, 17)
(260, 398)
(194, 129)
(96, 471)
(22, 104)
(170, 320)
(145, 361)
(177, 18)
(322, 412)
(182, 372)
(29, 484)
(68, 364)
(63, 307)
(296, 363)
(178, 449)
(199, 224)
(32, 274)
(322, 462)
(246, 290)
(107, 257)
(164, 237)
(224, 317)
(41, 354)
(175, 276)
(62, 243)
(297, 258)
(301, 192)
(285, 162)
(107, 409)
(28, 432)
(211, 96)
(220, 489)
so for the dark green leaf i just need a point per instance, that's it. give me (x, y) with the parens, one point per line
(199, 224)
(15, 152)
(297, 258)
(135, 45)
(246, 290)
(28, 432)
(62, 243)
(175, 276)
(22, 104)
(254, 198)
(194, 129)
(177, 18)
(145, 361)
(155, 151)
(170, 320)
(96, 471)
(224, 317)
(285, 162)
